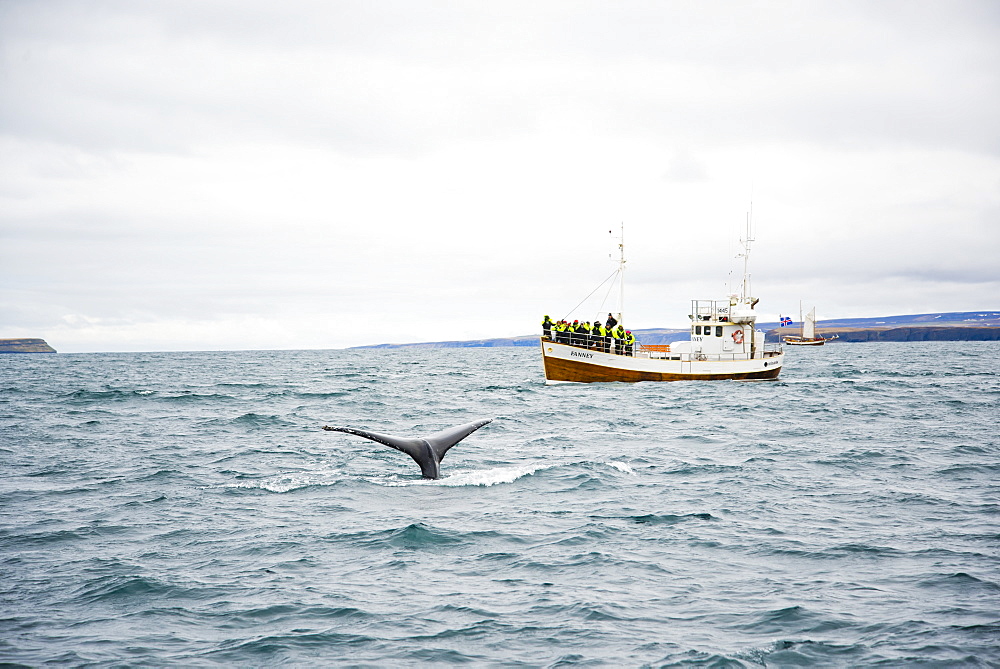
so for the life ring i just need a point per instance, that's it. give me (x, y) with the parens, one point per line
(738, 336)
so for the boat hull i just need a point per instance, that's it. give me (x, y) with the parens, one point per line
(564, 363)
(799, 341)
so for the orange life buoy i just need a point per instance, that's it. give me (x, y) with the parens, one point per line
(738, 336)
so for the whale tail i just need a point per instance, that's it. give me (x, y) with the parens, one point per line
(425, 451)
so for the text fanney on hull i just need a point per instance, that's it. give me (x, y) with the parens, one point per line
(723, 344)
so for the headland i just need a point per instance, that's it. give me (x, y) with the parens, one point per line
(25, 346)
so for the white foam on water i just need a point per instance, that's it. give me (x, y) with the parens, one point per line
(481, 477)
(488, 477)
(621, 466)
(282, 484)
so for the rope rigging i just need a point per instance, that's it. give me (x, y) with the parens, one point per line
(613, 274)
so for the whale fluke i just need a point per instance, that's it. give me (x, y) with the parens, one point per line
(426, 451)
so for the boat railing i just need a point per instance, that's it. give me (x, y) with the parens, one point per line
(654, 351)
(692, 357)
(707, 310)
(591, 343)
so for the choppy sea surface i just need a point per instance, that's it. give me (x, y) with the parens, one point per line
(187, 509)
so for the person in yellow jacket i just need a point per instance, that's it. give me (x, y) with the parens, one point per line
(601, 336)
(574, 333)
(560, 332)
(629, 342)
(619, 339)
(547, 327)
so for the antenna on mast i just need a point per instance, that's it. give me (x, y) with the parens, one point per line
(621, 270)
(745, 243)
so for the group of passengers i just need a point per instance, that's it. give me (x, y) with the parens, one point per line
(610, 337)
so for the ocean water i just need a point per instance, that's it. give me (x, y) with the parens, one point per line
(187, 509)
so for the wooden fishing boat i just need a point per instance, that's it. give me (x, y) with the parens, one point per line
(723, 344)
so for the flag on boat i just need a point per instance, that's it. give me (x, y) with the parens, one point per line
(785, 320)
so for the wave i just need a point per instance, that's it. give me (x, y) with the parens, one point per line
(487, 477)
(622, 467)
(278, 613)
(413, 536)
(416, 536)
(109, 588)
(960, 581)
(668, 518)
(83, 397)
(318, 395)
(287, 482)
(805, 652)
(499, 475)
(14, 540)
(282, 648)
(257, 420)
(90, 396)
(472, 478)
(790, 619)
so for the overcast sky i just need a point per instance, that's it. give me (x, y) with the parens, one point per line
(237, 175)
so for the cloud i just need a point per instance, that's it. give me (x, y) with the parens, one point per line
(248, 175)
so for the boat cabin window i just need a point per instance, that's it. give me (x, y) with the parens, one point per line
(718, 330)
(697, 329)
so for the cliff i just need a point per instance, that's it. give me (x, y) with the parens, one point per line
(914, 333)
(25, 346)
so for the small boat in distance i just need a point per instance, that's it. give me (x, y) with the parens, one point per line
(724, 344)
(808, 336)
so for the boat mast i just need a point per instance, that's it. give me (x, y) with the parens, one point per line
(620, 271)
(745, 242)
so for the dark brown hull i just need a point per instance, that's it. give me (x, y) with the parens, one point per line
(797, 341)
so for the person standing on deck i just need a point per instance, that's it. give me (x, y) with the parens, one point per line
(547, 327)
(601, 337)
(611, 322)
(629, 342)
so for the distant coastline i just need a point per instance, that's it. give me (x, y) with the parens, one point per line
(945, 326)
(915, 333)
(25, 346)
